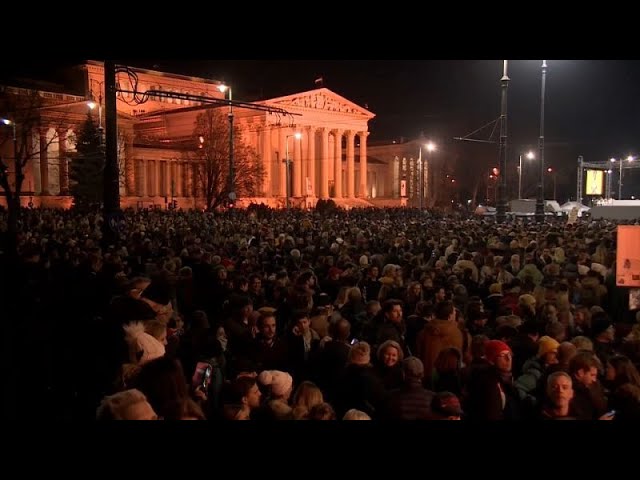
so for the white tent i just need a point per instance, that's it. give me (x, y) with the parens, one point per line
(567, 207)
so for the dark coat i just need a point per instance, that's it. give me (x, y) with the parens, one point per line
(588, 403)
(299, 361)
(360, 388)
(483, 400)
(328, 365)
(410, 402)
(270, 357)
(391, 377)
(523, 348)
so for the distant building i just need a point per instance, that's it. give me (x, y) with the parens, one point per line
(155, 168)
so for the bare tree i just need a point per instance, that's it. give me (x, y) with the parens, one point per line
(20, 109)
(212, 160)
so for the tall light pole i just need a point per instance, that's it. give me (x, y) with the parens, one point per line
(501, 208)
(530, 156)
(540, 198)
(421, 161)
(92, 103)
(232, 168)
(287, 163)
(621, 161)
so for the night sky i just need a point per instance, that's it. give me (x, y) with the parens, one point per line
(592, 107)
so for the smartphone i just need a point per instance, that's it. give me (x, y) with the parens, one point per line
(612, 413)
(202, 375)
(354, 341)
(206, 378)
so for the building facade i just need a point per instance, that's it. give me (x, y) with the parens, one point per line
(329, 160)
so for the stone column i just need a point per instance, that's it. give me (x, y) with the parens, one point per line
(188, 177)
(44, 162)
(311, 160)
(304, 155)
(297, 167)
(324, 164)
(337, 168)
(129, 168)
(63, 169)
(350, 164)
(282, 167)
(167, 178)
(178, 177)
(144, 180)
(267, 163)
(395, 185)
(198, 190)
(363, 190)
(158, 176)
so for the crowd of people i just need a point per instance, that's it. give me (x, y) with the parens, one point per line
(261, 314)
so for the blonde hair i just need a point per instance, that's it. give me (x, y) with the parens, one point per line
(582, 343)
(115, 407)
(359, 352)
(393, 344)
(323, 411)
(355, 414)
(307, 396)
(280, 410)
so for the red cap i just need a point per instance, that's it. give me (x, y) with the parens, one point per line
(493, 348)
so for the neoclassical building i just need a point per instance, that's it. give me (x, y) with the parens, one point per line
(329, 160)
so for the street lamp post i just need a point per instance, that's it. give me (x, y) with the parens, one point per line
(529, 156)
(287, 163)
(232, 168)
(540, 198)
(430, 148)
(92, 104)
(501, 208)
(629, 159)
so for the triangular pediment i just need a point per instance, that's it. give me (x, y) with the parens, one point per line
(321, 99)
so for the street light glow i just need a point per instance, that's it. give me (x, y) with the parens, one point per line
(612, 160)
(630, 158)
(431, 147)
(222, 87)
(298, 135)
(91, 104)
(530, 155)
(6, 121)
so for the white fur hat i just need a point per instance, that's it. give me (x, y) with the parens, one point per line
(140, 341)
(280, 382)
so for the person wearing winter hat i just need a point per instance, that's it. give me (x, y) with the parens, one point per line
(548, 350)
(280, 384)
(491, 393)
(142, 347)
(529, 383)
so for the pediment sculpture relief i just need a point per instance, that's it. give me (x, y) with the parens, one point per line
(322, 102)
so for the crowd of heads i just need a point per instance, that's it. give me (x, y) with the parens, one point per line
(364, 314)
